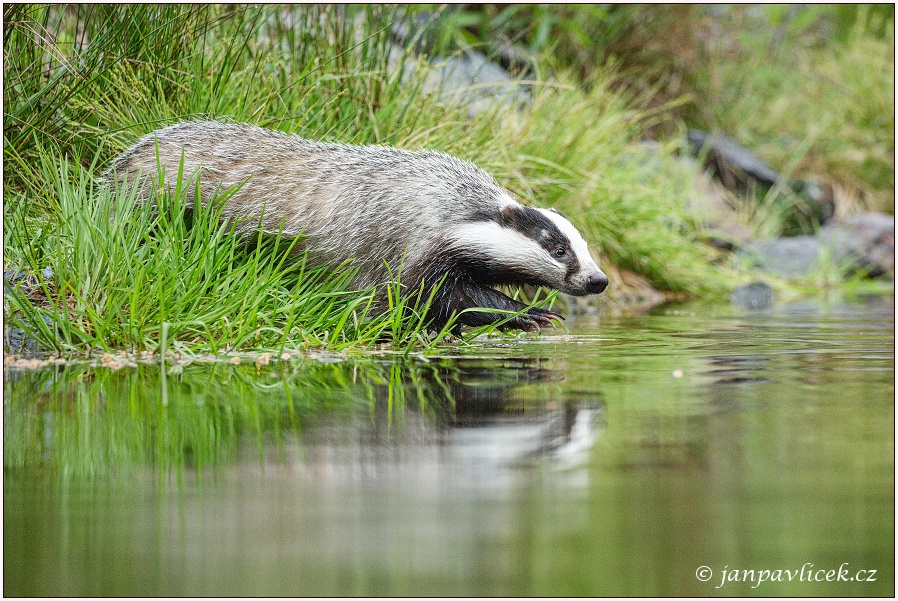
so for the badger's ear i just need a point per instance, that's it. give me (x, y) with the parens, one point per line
(507, 213)
(517, 217)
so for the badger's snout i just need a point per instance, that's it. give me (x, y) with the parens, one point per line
(596, 283)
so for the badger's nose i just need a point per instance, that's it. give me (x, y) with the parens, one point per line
(596, 283)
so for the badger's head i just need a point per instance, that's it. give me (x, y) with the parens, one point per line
(523, 245)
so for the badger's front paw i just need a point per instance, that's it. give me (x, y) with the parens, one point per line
(535, 319)
(545, 318)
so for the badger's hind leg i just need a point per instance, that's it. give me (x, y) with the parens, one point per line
(467, 294)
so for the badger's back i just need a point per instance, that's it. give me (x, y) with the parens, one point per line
(365, 204)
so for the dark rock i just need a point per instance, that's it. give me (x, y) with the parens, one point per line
(21, 282)
(469, 77)
(24, 282)
(756, 296)
(516, 59)
(812, 206)
(793, 257)
(736, 166)
(420, 35)
(14, 274)
(18, 341)
(723, 227)
(740, 170)
(820, 198)
(12, 278)
(864, 242)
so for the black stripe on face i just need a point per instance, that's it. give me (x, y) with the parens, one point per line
(536, 226)
(532, 224)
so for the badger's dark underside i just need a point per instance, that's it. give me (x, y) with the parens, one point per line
(460, 292)
(470, 295)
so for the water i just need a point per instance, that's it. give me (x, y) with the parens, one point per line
(623, 460)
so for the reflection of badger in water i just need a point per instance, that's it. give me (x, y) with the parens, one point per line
(478, 420)
(490, 430)
(563, 436)
(437, 216)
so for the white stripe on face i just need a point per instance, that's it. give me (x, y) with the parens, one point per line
(578, 244)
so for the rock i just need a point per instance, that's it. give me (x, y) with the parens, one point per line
(15, 277)
(420, 34)
(733, 164)
(473, 80)
(812, 205)
(726, 235)
(740, 170)
(467, 79)
(16, 280)
(11, 279)
(756, 296)
(14, 339)
(516, 59)
(724, 229)
(17, 341)
(792, 257)
(864, 241)
(819, 197)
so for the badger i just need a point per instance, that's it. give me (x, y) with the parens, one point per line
(454, 232)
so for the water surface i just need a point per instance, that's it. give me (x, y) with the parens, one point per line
(621, 459)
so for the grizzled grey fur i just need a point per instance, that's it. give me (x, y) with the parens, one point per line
(433, 214)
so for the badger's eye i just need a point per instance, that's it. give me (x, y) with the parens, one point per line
(559, 252)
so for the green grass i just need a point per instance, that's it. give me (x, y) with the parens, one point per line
(126, 420)
(824, 110)
(196, 429)
(84, 82)
(810, 88)
(157, 277)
